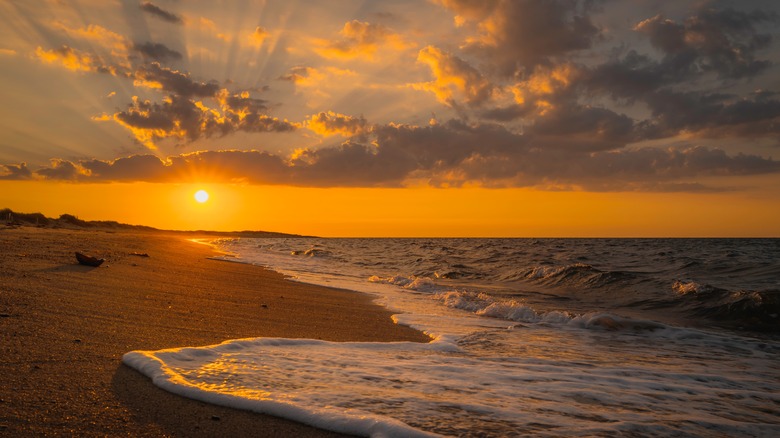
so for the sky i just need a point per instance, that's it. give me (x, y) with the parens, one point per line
(537, 118)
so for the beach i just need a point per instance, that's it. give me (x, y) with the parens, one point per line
(65, 327)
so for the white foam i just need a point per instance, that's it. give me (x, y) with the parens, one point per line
(261, 375)
(535, 380)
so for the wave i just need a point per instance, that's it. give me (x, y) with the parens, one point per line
(577, 274)
(511, 310)
(747, 309)
(418, 284)
(311, 252)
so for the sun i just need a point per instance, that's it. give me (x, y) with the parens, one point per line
(201, 196)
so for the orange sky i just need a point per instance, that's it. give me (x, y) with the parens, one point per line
(403, 118)
(418, 212)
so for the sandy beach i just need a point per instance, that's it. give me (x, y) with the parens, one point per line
(65, 327)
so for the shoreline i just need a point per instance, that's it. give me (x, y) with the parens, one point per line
(65, 328)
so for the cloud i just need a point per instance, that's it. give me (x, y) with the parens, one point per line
(79, 61)
(656, 167)
(127, 169)
(189, 109)
(183, 115)
(581, 128)
(331, 123)
(69, 58)
(185, 119)
(722, 42)
(541, 94)
(305, 76)
(99, 35)
(300, 74)
(61, 170)
(108, 50)
(361, 39)
(454, 78)
(173, 81)
(15, 171)
(515, 35)
(633, 77)
(170, 17)
(257, 37)
(157, 52)
(719, 41)
(712, 115)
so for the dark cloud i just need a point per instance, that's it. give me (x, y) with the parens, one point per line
(629, 79)
(709, 44)
(15, 171)
(60, 170)
(254, 167)
(349, 164)
(187, 120)
(519, 34)
(157, 52)
(505, 113)
(720, 41)
(174, 81)
(161, 13)
(192, 109)
(587, 128)
(128, 169)
(297, 74)
(711, 115)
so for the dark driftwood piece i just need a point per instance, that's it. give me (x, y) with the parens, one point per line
(88, 260)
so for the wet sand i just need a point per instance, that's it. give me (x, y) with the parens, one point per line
(64, 328)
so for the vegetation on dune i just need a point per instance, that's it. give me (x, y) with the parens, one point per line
(10, 218)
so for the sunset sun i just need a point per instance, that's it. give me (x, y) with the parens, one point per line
(201, 196)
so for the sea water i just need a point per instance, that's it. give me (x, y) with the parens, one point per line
(540, 337)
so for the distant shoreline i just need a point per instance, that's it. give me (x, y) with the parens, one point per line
(10, 218)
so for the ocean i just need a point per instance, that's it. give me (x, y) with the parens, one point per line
(531, 337)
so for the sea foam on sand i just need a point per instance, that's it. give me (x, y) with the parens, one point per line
(288, 378)
(559, 380)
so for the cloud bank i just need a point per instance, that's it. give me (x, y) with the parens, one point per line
(445, 155)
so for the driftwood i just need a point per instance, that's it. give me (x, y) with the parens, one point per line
(88, 260)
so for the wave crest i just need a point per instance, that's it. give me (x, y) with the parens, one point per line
(576, 274)
(419, 284)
